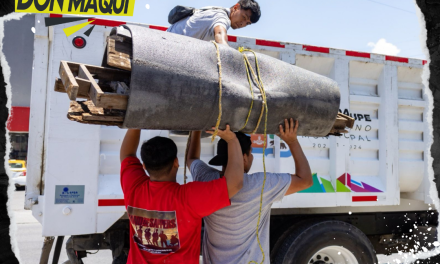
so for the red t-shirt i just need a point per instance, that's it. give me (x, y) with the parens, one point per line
(166, 217)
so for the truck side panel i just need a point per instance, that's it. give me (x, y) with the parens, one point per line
(384, 154)
(72, 149)
(34, 185)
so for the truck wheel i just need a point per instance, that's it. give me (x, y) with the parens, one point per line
(324, 243)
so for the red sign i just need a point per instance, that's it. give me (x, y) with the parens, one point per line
(257, 141)
(18, 121)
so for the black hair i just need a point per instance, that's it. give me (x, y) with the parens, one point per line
(245, 144)
(253, 6)
(158, 155)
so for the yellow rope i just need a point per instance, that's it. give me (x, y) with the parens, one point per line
(262, 188)
(250, 87)
(219, 63)
(263, 108)
(259, 83)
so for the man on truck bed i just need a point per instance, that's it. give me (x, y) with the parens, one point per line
(212, 23)
(158, 203)
(230, 233)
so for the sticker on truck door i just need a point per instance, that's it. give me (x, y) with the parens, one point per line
(154, 231)
(69, 194)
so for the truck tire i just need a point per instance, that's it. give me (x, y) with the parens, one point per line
(324, 242)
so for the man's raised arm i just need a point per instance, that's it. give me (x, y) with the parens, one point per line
(235, 168)
(302, 179)
(130, 143)
(194, 148)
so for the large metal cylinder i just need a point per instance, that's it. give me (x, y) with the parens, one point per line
(175, 86)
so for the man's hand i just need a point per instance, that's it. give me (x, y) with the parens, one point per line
(289, 134)
(302, 179)
(194, 148)
(235, 168)
(227, 135)
(130, 144)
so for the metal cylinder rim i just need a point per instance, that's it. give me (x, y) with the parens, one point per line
(336, 254)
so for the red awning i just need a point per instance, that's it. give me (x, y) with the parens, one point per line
(18, 121)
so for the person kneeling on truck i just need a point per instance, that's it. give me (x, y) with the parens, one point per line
(230, 233)
(212, 23)
(173, 211)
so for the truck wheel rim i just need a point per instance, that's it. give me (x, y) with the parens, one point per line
(333, 255)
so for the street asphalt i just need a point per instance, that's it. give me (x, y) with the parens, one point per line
(30, 241)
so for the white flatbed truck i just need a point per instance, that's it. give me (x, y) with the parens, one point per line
(370, 183)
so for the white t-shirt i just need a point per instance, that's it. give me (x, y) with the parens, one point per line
(201, 25)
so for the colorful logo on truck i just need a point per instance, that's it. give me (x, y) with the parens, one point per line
(258, 145)
(320, 185)
(344, 183)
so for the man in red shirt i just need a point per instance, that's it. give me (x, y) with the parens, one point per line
(158, 203)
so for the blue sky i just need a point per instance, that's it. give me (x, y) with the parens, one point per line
(380, 26)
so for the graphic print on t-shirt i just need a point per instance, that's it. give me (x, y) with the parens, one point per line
(154, 231)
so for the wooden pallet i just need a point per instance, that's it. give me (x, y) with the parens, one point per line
(106, 89)
(119, 52)
(87, 113)
(93, 82)
(341, 123)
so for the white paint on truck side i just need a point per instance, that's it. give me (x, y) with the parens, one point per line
(380, 166)
(37, 118)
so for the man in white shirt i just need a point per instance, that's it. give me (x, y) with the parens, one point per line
(230, 233)
(212, 23)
